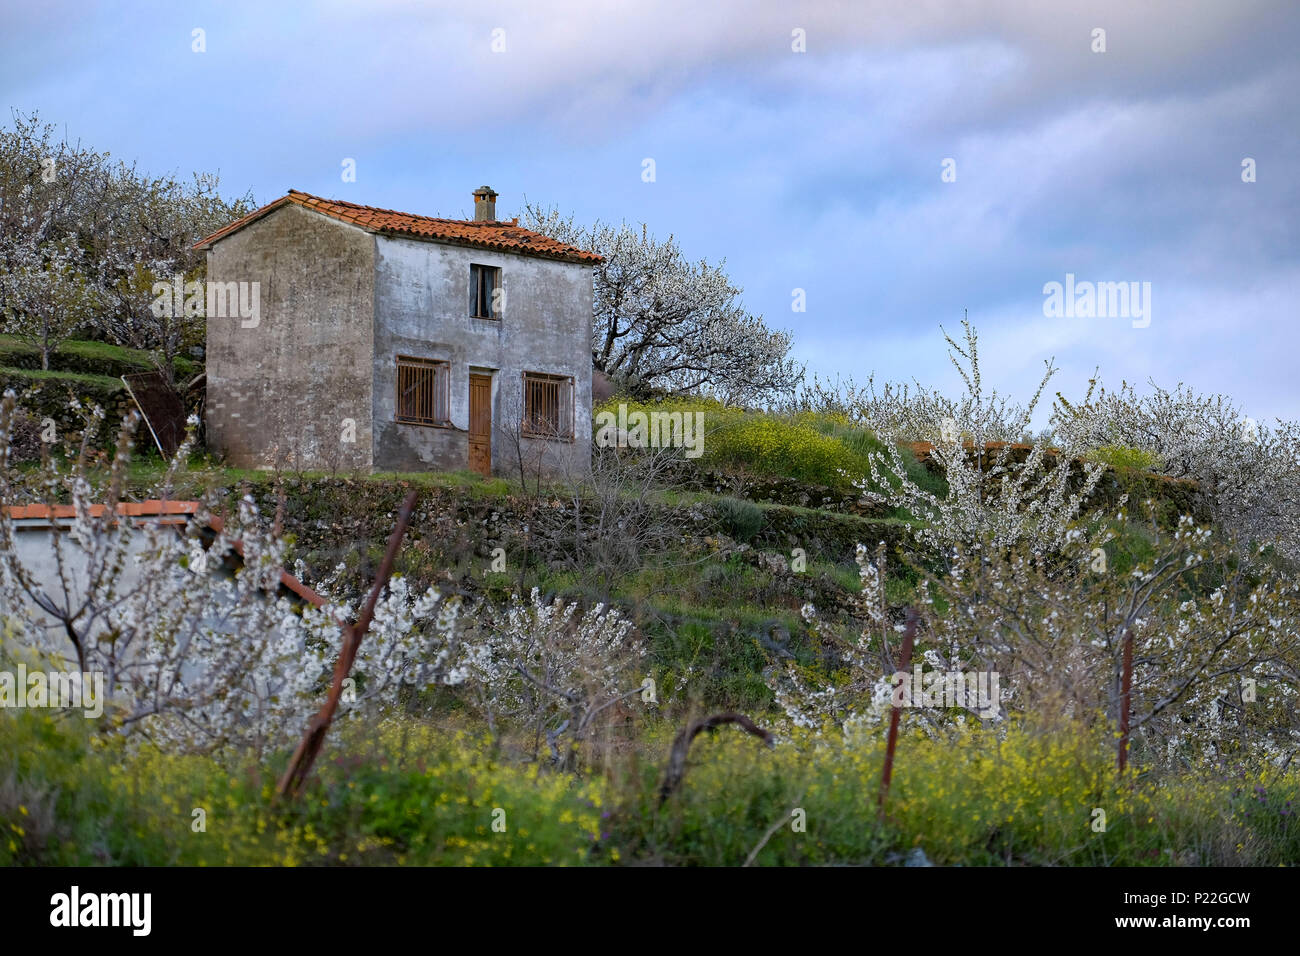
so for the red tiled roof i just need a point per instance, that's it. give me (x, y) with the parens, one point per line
(502, 236)
(128, 509)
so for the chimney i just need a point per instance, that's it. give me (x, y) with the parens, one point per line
(485, 204)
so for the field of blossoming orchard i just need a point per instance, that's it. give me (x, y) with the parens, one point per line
(872, 626)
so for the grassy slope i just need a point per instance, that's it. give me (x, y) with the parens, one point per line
(78, 356)
(53, 375)
(714, 618)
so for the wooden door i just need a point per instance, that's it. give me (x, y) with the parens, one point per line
(480, 424)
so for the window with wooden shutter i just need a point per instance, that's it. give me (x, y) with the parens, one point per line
(423, 391)
(548, 406)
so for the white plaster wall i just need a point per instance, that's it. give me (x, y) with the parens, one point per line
(422, 309)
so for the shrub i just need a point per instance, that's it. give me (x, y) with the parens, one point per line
(773, 446)
(1125, 457)
(814, 448)
(740, 519)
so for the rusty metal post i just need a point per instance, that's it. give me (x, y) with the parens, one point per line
(1125, 699)
(305, 755)
(905, 661)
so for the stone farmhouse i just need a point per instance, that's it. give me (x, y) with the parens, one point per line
(385, 341)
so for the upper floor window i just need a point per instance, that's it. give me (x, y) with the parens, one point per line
(548, 406)
(485, 292)
(423, 391)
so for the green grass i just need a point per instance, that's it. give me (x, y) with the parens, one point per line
(201, 473)
(844, 575)
(408, 791)
(1027, 799)
(78, 354)
(464, 479)
(148, 471)
(72, 378)
(390, 795)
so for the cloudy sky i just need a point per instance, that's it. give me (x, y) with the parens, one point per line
(820, 170)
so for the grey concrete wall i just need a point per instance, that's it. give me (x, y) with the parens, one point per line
(280, 392)
(422, 309)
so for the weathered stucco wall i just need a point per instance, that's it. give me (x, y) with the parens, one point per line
(284, 390)
(422, 308)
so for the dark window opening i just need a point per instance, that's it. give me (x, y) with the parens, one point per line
(484, 283)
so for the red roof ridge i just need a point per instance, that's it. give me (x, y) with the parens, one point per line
(309, 198)
(502, 235)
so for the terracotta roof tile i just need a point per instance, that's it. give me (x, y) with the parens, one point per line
(499, 235)
(129, 509)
